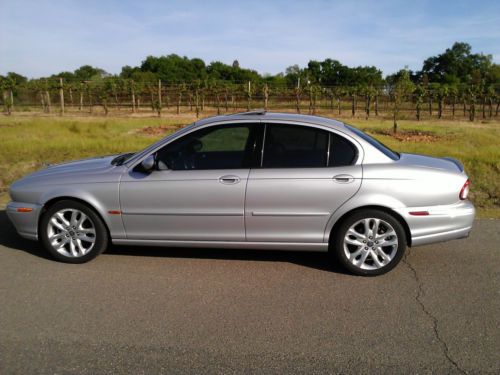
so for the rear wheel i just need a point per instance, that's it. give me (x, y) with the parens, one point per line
(72, 232)
(369, 242)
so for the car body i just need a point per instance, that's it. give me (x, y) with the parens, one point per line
(254, 180)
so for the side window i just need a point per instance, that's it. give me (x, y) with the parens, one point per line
(217, 147)
(294, 146)
(342, 152)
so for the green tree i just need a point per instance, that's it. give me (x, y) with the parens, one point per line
(400, 90)
(456, 64)
(89, 73)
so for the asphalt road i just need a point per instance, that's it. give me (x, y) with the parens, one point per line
(158, 310)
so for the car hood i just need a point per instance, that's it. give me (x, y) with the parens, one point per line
(96, 169)
(447, 163)
(84, 165)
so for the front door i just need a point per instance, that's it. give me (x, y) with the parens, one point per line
(197, 190)
(306, 174)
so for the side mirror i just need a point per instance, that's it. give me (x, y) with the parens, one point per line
(148, 163)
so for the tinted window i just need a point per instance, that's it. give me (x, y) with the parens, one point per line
(294, 146)
(342, 152)
(218, 147)
(379, 146)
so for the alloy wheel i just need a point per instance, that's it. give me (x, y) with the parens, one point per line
(370, 243)
(71, 233)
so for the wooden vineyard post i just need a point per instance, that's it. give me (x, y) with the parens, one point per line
(179, 100)
(353, 104)
(217, 98)
(11, 97)
(266, 96)
(159, 98)
(47, 97)
(133, 95)
(297, 96)
(80, 106)
(197, 103)
(42, 99)
(311, 111)
(61, 95)
(226, 99)
(249, 96)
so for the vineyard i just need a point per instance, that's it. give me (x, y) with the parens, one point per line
(124, 96)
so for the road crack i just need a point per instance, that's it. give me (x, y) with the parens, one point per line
(418, 299)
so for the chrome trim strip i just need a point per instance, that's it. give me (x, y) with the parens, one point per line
(328, 149)
(300, 214)
(172, 213)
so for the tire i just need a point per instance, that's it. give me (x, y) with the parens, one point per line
(72, 232)
(360, 251)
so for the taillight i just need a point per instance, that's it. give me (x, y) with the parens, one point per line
(464, 191)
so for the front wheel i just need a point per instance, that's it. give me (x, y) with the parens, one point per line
(369, 242)
(72, 232)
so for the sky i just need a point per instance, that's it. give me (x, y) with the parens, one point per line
(39, 38)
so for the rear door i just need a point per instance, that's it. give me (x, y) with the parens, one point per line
(306, 173)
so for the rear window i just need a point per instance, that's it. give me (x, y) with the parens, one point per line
(378, 145)
(342, 152)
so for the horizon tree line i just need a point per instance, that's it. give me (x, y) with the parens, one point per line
(456, 78)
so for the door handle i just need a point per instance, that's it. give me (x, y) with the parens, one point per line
(229, 180)
(343, 178)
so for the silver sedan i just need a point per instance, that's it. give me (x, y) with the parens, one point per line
(254, 180)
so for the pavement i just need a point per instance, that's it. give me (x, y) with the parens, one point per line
(140, 310)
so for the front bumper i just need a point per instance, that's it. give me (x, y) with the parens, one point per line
(443, 223)
(26, 223)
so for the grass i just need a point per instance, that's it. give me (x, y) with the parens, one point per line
(28, 142)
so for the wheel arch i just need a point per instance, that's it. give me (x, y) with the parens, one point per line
(385, 209)
(49, 203)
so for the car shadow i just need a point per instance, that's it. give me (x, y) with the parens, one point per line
(317, 260)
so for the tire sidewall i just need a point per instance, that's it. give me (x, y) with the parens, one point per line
(338, 242)
(101, 241)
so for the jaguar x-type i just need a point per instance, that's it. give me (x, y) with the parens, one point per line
(254, 180)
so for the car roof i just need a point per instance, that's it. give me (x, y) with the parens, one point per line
(262, 115)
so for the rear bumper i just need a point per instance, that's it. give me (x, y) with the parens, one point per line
(443, 223)
(26, 223)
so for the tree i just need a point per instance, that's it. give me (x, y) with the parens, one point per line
(293, 76)
(419, 98)
(16, 79)
(89, 73)
(402, 87)
(7, 87)
(456, 64)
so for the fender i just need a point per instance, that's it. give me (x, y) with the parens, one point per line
(360, 200)
(109, 193)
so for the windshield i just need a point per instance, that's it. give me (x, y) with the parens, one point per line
(378, 145)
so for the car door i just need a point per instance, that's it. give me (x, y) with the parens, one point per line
(306, 174)
(197, 190)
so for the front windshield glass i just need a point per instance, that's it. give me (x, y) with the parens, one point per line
(378, 145)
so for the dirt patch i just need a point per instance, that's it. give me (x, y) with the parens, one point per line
(158, 130)
(412, 135)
